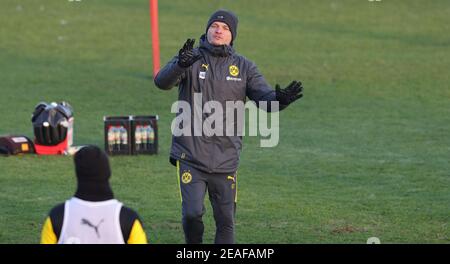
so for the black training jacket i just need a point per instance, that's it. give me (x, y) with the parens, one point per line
(220, 75)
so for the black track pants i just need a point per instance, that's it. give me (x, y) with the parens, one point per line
(222, 190)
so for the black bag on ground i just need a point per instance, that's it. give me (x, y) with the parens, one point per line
(13, 145)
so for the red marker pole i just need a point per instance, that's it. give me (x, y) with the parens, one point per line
(155, 35)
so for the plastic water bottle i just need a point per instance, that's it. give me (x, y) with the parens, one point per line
(144, 138)
(111, 139)
(150, 134)
(117, 137)
(123, 137)
(138, 137)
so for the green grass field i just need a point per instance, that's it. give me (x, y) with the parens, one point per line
(365, 153)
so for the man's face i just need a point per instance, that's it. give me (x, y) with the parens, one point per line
(219, 34)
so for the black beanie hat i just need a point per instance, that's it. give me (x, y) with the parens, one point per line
(226, 17)
(92, 164)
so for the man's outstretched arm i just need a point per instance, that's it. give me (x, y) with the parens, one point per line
(258, 90)
(172, 73)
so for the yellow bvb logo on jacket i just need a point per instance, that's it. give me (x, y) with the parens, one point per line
(234, 70)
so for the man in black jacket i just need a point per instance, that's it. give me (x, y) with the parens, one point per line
(210, 162)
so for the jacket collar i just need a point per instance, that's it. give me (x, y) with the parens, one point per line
(216, 51)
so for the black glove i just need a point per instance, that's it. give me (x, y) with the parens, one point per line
(289, 94)
(186, 56)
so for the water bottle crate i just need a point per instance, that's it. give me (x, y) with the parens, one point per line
(117, 135)
(144, 135)
(131, 135)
